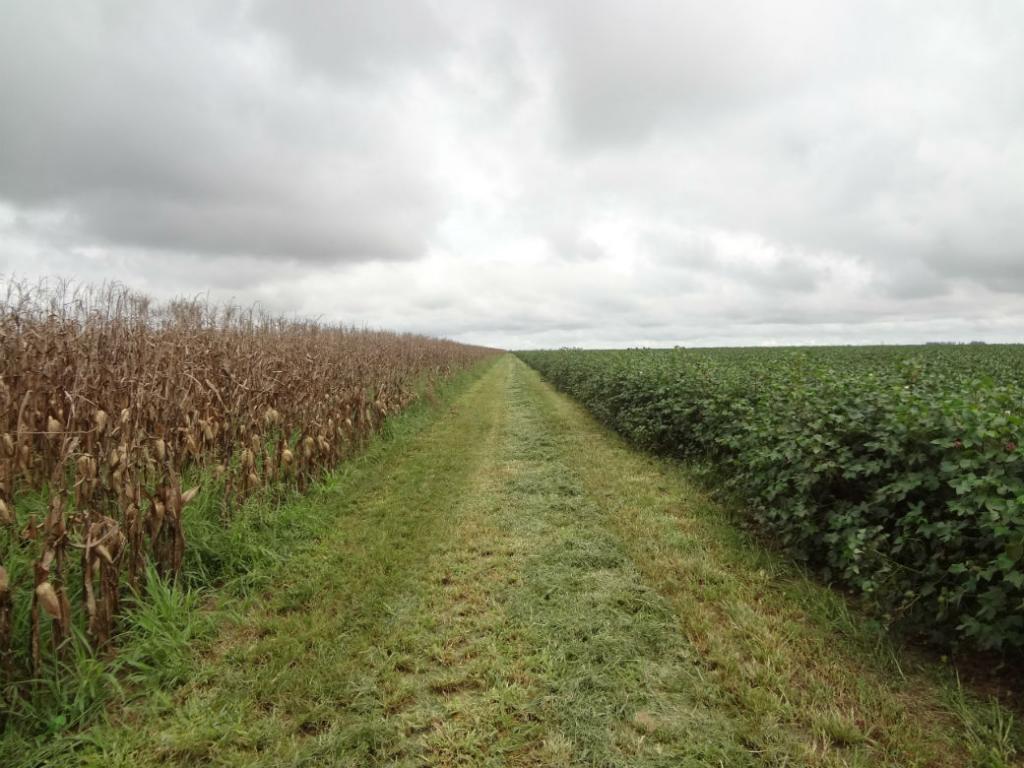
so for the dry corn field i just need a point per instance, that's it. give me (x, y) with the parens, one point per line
(111, 407)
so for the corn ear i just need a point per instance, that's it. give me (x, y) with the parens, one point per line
(47, 597)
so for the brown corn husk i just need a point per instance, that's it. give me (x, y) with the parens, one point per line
(47, 597)
(104, 553)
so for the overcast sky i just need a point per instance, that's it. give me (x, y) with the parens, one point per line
(530, 173)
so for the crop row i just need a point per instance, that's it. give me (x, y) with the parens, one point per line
(109, 404)
(895, 471)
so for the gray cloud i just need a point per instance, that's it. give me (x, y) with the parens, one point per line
(530, 173)
(357, 41)
(176, 127)
(629, 70)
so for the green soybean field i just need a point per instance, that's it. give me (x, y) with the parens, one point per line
(894, 471)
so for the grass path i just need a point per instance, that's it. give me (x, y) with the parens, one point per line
(513, 586)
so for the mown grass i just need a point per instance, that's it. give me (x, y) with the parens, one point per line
(511, 585)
